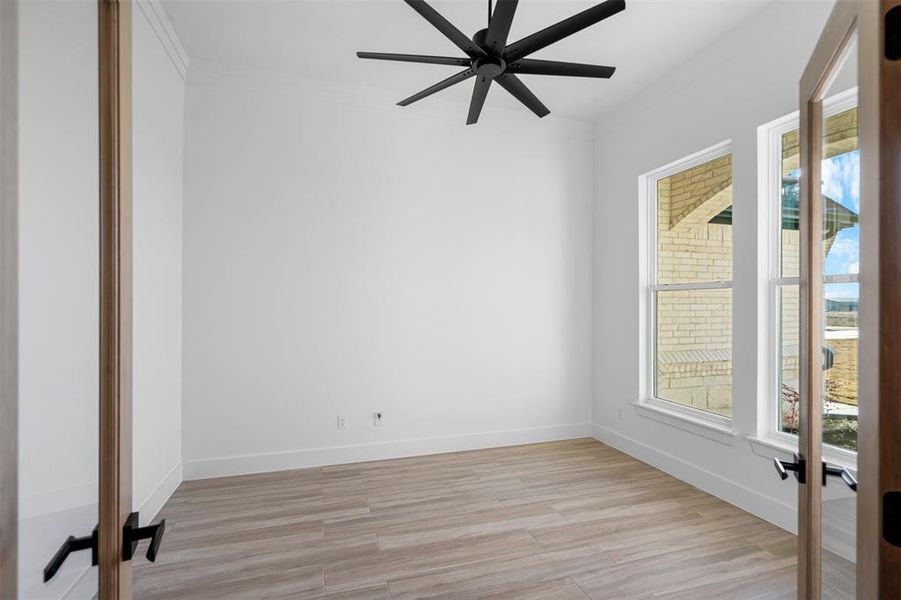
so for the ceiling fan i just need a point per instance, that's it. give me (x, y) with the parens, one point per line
(489, 57)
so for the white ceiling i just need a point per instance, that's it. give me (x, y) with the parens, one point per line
(319, 38)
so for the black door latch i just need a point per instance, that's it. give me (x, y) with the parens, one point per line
(783, 466)
(836, 471)
(131, 536)
(72, 544)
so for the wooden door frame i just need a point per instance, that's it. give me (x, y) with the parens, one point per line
(879, 446)
(115, 35)
(879, 563)
(9, 294)
(879, 139)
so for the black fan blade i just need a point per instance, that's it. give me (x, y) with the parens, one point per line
(461, 76)
(518, 89)
(479, 93)
(446, 27)
(530, 66)
(499, 26)
(564, 28)
(417, 58)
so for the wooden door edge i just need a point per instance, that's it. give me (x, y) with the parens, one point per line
(818, 75)
(9, 495)
(868, 517)
(115, 295)
(885, 464)
(810, 433)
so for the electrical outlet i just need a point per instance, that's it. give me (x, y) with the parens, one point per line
(378, 418)
(342, 422)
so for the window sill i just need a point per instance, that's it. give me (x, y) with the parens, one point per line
(765, 444)
(712, 428)
(788, 445)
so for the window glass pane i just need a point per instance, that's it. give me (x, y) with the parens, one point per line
(694, 224)
(789, 352)
(841, 194)
(840, 205)
(841, 197)
(694, 349)
(790, 235)
(840, 364)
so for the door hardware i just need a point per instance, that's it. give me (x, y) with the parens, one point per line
(893, 34)
(72, 544)
(132, 535)
(783, 466)
(836, 471)
(891, 518)
(797, 466)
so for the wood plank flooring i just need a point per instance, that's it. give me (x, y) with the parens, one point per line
(562, 520)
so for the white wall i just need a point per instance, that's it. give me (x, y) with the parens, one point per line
(158, 124)
(58, 287)
(746, 79)
(59, 284)
(343, 256)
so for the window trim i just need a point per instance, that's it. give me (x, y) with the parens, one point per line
(769, 181)
(709, 425)
(647, 186)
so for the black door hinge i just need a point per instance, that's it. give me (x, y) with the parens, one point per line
(893, 34)
(891, 518)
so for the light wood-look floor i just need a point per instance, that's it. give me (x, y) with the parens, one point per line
(558, 521)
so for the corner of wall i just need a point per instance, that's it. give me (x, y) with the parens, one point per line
(159, 21)
(155, 16)
(151, 505)
(595, 197)
(734, 493)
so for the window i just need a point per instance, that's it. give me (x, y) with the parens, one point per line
(690, 291)
(841, 248)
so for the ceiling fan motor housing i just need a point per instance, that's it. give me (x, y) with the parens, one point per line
(489, 66)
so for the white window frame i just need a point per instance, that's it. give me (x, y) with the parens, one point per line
(647, 186)
(770, 142)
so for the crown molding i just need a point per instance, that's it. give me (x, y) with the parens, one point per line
(159, 21)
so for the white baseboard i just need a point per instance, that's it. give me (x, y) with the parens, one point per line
(768, 509)
(836, 536)
(336, 455)
(160, 494)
